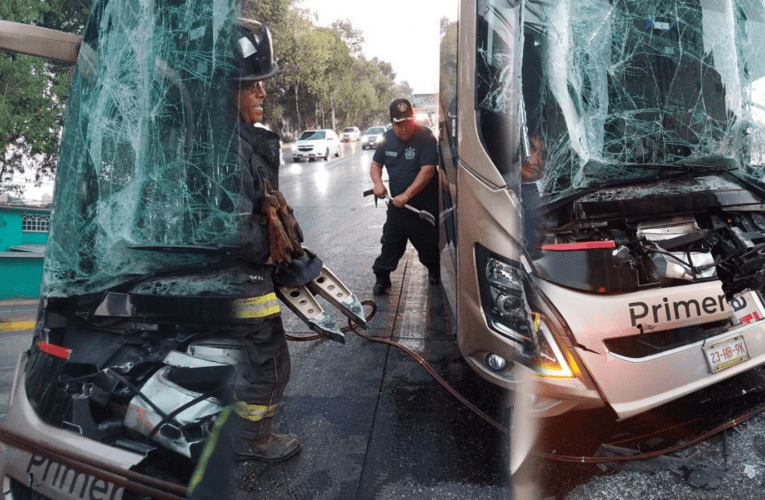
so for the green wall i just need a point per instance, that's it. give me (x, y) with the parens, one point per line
(21, 276)
(20, 272)
(10, 229)
(34, 238)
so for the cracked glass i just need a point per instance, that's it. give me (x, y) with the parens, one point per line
(612, 85)
(149, 150)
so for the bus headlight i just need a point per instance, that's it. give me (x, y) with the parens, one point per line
(502, 296)
(503, 299)
(551, 360)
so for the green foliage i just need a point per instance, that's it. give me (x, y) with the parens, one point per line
(325, 81)
(33, 94)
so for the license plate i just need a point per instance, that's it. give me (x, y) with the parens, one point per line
(726, 354)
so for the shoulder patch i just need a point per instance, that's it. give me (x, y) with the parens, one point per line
(391, 153)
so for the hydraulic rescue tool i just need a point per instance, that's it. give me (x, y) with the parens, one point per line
(294, 287)
(422, 214)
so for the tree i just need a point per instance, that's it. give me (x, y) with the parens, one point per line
(350, 36)
(33, 94)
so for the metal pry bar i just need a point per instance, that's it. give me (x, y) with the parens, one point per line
(301, 301)
(422, 214)
(336, 293)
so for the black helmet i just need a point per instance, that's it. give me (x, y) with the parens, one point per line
(254, 52)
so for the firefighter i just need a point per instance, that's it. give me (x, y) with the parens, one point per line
(244, 430)
(264, 376)
(408, 151)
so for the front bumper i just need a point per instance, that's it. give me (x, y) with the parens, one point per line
(43, 475)
(632, 385)
(629, 386)
(307, 154)
(637, 385)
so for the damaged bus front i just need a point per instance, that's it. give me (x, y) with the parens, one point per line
(150, 281)
(603, 195)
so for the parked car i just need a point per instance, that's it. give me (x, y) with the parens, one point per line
(610, 246)
(350, 134)
(372, 137)
(314, 144)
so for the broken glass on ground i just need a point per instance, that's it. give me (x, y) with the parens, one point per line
(694, 473)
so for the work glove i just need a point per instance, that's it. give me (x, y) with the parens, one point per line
(284, 233)
(287, 216)
(281, 247)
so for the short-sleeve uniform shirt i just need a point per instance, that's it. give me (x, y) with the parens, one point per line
(403, 160)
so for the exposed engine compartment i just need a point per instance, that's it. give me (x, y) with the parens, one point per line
(151, 388)
(657, 252)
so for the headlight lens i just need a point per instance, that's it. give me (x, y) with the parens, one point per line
(504, 304)
(502, 296)
(550, 360)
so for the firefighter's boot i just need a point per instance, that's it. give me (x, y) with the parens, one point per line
(257, 441)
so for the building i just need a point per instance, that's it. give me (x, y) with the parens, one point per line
(23, 235)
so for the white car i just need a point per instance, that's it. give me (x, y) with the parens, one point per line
(350, 134)
(319, 143)
(372, 137)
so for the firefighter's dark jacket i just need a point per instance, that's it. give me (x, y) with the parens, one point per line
(260, 152)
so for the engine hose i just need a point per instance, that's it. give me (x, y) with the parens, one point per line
(141, 483)
(171, 416)
(546, 455)
(135, 391)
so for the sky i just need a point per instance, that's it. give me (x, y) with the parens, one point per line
(404, 33)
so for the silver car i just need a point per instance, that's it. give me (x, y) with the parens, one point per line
(350, 134)
(372, 137)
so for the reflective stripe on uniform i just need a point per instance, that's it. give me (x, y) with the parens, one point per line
(256, 307)
(212, 441)
(254, 413)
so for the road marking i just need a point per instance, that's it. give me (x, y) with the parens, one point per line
(18, 302)
(16, 325)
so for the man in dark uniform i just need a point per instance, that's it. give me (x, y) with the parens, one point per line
(409, 153)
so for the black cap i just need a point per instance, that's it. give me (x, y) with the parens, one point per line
(400, 110)
(254, 52)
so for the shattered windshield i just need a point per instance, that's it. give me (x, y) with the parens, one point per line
(149, 151)
(614, 82)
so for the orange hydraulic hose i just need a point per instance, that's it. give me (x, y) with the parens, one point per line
(550, 456)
